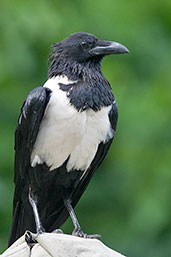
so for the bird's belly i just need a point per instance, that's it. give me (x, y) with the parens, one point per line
(60, 132)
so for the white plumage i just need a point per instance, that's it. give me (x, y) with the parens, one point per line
(65, 132)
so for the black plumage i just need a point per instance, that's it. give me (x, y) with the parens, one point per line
(55, 192)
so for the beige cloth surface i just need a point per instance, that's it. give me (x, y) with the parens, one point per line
(60, 245)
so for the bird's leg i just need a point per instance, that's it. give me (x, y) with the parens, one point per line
(39, 228)
(77, 228)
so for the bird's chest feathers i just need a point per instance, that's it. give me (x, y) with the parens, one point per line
(66, 133)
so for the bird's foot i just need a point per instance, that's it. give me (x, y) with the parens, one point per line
(30, 238)
(58, 231)
(78, 232)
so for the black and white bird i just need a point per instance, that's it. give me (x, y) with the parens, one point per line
(64, 132)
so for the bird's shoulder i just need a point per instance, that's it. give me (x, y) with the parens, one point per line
(38, 96)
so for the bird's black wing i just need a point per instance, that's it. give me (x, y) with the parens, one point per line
(29, 121)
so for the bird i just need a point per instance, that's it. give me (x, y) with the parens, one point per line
(64, 132)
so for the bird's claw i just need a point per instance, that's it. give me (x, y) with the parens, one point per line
(80, 233)
(93, 236)
(30, 238)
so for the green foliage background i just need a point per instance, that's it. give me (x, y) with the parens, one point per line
(129, 199)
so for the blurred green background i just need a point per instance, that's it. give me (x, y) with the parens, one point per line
(128, 201)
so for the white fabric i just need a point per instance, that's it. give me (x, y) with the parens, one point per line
(60, 245)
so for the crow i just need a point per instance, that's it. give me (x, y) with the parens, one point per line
(64, 132)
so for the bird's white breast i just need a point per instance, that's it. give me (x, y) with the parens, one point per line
(64, 132)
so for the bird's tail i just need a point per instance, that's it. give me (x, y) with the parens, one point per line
(22, 221)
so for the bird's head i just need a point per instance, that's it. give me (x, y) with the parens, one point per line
(83, 48)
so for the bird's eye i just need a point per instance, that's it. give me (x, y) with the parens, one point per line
(84, 44)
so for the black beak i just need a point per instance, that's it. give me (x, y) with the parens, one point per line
(108, 47)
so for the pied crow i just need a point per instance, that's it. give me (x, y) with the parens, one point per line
(63, 134)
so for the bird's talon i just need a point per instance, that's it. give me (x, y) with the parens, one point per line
(80, 233)
(95, 236)
(85, 235)
(30, 238)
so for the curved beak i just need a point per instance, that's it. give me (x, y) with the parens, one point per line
(108, 47)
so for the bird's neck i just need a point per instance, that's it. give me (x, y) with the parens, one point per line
(72, 69)
(90, 90)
